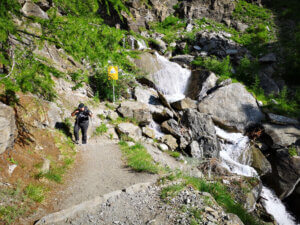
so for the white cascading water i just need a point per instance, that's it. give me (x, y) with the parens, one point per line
(234, 146)
(172, 79)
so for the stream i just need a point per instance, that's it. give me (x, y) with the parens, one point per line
(172, 81)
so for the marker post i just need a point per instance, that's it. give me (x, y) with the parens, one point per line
(113, 75)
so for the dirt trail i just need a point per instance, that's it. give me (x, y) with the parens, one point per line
(101, 170)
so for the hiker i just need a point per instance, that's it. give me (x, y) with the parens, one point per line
(82, 114)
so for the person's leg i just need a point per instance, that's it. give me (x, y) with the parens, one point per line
(84, 128)
(76, 132)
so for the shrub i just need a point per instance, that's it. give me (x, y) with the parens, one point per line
(293, 151)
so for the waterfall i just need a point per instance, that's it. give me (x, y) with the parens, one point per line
(234, 146)
(172, 79)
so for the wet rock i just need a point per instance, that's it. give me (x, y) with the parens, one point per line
(232, 106)
(200, 83)
(260, 162)
(170, 141)
(186, 103)
(136, 110)
(203, 131)
(281, 120)
(282, 135)
(252, 197)
(7, 127)
(31, 9)
(129, 130)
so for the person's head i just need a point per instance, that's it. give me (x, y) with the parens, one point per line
(81, 107)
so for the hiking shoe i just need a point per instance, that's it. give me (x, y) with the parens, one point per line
(77, 142)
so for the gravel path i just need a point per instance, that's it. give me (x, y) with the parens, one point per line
(101, 170)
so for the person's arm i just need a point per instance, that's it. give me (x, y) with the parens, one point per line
(90, 114)
(75, 112)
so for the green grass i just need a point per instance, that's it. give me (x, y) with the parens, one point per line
(102, 129)
(10, 213)
(174, 154)
(171, 191)
(35, 192)
(138, 158)
(124, 120)
(293, 151)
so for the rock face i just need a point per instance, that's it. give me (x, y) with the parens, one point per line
(136, 110)
(232, 106)
(183, 60)
(129, 130)
(286, 174)
(282, 120)
(197, 9)
(7, 127)
(203, 131)
(282, 135)
(142, 14)
(31, 9)
(200, 83)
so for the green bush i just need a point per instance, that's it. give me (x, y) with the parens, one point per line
(293, 151)
(247, 71)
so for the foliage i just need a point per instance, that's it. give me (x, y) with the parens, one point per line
(138, 158)
(101, 129)
(35, 192)
(293, 151)
(247, 71)
(222, 68)
(77, 8)
(174, 154)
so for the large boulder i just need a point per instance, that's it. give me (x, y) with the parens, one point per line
(233, 107)
(282, 120)
(130, 130)
(200, 83)
(260, 162)
(185, 103)
(31, 9)
(136, 110)
(7, 127)
(282, 135)
(203, 131)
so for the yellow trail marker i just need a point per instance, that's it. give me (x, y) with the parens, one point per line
(113, 73)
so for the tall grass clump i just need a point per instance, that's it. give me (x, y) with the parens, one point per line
(138, 158)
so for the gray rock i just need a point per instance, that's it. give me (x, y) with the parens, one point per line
(171, 127)
(195, 150)
(260, 162)
(129, 130)
(268, 84)
(7, 127)
(163, 147)
(282, 135)
(186, 103)
(282, 120)
(203, 131)
(234, 220)
(183, 60)
(232, 106)
(269, 58)
(136, 110)
(200, 83)
(31, 9)
(149, 132)
(54, 115)
(170, 141)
